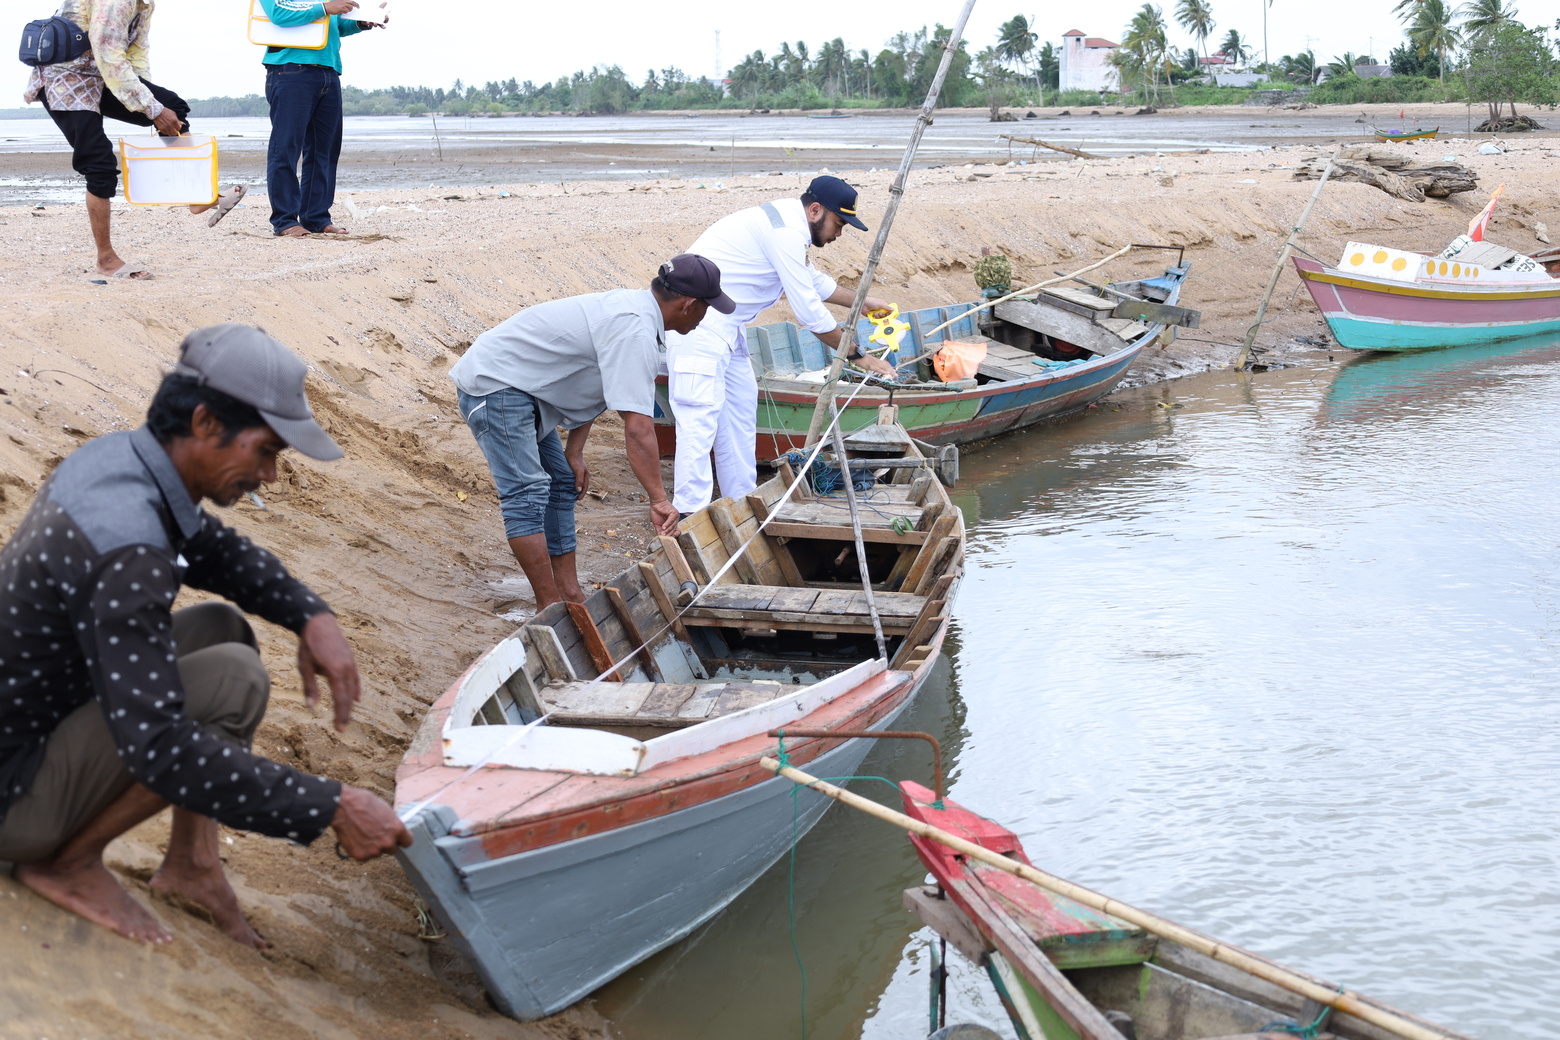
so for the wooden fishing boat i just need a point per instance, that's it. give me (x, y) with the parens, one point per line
(1049, 355)
(1405, 135)
(1065, 970)
(1386, 299)
(589, 791)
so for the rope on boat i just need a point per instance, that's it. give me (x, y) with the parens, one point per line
(521, 731)
(1304, 1032)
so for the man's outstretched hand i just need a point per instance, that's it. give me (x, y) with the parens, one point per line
(366, 827)
(323, 651)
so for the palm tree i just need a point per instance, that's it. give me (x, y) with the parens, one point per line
(1342, 65)
(1144, 49)
(833, 65)
(1301, 68)
(1196, 17)
(1432, 30)
(1480, 16)
(1234, 47)
(1016, 42)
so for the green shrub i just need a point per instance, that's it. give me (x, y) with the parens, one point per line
(1392, 90)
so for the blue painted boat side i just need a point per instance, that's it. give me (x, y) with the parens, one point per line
(1358, 334)
(546, 927)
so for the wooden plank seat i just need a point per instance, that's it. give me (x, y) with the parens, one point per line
(814, 610)
(667, 705)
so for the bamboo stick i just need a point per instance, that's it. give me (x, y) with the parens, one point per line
(1344, 1002)
(1053, 147)
(895, 192)
(1284, 254)
(855, 522)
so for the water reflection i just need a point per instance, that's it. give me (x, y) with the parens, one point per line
(738, 977)
(1275, 655)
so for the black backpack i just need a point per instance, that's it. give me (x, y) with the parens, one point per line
(53, 41)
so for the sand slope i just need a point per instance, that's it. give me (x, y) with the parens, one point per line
(403, 536)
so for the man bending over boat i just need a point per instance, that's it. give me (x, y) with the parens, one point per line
(761, 253)
(563, 363)
(115, 704)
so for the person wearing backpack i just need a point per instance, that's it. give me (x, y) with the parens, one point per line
(108, 78)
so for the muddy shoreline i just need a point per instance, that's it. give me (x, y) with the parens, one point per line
(403, 537)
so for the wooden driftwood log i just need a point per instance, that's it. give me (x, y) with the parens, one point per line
(1392, 172)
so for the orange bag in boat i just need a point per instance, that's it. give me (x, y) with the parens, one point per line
(956, 361)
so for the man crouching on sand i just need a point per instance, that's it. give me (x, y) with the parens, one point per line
(114, 705)
(563, 363)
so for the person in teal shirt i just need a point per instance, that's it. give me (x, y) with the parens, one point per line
(303, 88)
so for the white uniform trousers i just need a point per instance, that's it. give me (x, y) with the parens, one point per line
(714, 397)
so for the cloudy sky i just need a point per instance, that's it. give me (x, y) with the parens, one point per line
(199, 46)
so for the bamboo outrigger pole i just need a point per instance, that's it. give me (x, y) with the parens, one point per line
(895, 193)
(1348, 1003)
(1283, 258)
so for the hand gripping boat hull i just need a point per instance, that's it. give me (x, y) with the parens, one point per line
(1069, 971)
(1022, 381)
(566, 829)
(1387, 299)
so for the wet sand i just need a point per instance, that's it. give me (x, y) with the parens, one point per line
(403, 537)
(400, 152)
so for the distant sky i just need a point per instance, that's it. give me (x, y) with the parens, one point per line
(199, 47)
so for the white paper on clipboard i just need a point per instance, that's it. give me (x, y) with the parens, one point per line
(371, 12)
(312, 36)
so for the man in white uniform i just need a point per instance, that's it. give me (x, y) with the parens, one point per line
(761, 253)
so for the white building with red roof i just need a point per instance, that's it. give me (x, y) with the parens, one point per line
(1084, 63)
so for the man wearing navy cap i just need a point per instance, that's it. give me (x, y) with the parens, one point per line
(762, 253)
(563, 363)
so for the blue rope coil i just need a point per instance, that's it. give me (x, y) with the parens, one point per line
(825, 478)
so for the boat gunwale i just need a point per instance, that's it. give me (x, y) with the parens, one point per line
(1315, 271)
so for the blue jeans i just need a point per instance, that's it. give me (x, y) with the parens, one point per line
(535, 484)
(305, 105)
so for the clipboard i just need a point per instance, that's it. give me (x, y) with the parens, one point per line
(264, 33)
(162, 171)
(368, 11)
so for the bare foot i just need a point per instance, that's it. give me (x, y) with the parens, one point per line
(209, 889)
(333, 229)
(296, 231)
(94, 893)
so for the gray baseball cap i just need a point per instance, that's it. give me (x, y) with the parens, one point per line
(247, 364)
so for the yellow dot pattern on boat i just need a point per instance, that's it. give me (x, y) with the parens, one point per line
(1384, 262)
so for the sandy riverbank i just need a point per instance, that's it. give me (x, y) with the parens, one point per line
(403, 536)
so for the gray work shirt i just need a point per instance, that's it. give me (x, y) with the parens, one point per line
(577, 356)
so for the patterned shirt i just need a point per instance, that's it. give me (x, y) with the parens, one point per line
(118, 31)
(89, 580)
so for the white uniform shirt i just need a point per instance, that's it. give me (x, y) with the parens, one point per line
(758, 261)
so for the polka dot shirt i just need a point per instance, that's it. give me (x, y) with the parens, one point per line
(87, 584)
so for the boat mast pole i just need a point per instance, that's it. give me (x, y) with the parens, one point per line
(1244, 357)
(855, 526)
(895, 192)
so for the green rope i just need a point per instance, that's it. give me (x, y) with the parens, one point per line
(1304, 1032)
(784, 760)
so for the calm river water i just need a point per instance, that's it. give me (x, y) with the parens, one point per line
(1275, 655)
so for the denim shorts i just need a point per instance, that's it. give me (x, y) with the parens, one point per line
(535, 484)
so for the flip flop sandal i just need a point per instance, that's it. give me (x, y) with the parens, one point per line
(226, 201)
(134, 272)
